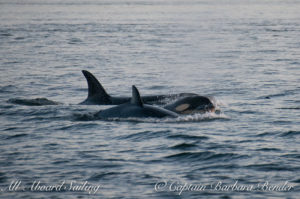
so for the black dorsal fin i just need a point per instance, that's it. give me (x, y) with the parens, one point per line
(94, 86)
(136, 98)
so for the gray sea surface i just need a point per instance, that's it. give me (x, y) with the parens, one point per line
(245, 53)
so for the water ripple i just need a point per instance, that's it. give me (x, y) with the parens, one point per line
(140, 136)
(17, 136)
(188, 137)
(269, 167)
(184, 146)
(106, 175)
(204, 156)
(290, 134)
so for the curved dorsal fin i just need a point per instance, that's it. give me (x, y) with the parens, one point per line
(94, 86)
(136, 98)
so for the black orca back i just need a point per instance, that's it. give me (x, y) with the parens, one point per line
(96, 92)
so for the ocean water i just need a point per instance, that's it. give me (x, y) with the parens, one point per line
(245, 53)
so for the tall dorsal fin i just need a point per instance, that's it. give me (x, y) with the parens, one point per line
(136, 98)
(94, 86)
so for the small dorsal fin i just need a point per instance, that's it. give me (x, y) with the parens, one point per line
(94, 87)
(136, 98)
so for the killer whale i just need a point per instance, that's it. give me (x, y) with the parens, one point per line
(98, 96)
(185, 103)
(192, 104)
(135, 109)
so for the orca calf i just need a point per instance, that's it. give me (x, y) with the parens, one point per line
(135, 109)
(98, 96)
(192, 104)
